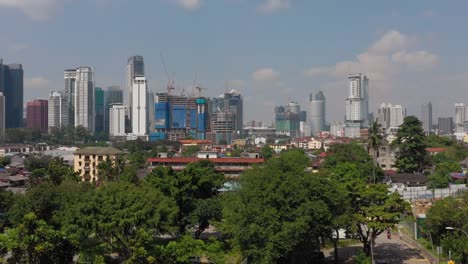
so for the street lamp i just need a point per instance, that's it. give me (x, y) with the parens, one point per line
(453, 228)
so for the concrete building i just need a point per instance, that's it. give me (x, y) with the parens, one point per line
(317, 113)
(113, 95)
(357, 105)
(2, 118)
(232, 102)
(337, 129)
(117, 120)
(383, 115)
(140, 109)
(135, 68)
(397, 114)
(222, 128)
(287, 119)
(84, 98)
(461, 116)
(304, 129)
(426, 117)
(86, 161)
(58, 110)
(151, 114)
(11, 85)
(37, 115)
(445, 125)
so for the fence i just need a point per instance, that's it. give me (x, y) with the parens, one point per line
(422, 193)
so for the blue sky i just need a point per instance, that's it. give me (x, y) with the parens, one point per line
(272, 51)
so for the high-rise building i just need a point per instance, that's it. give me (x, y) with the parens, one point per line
(117, 120)
(232, 102)
(70, 80)
(151, 113)
(384, 115)
(445, 125)
(58, 110)
(357, 105)
(37, 115)
(397, 114)
(222, 128)
(461, 116)
(99, 109)
(84, 98)
(135, 68)
(140, 109)
(113, 95)
(317, 113)
(287, 120)
(11, 85)
(2, 117)
(426, 117)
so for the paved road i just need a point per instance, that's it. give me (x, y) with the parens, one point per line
(396, 250)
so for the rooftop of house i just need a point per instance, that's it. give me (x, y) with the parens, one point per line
(408, 178)
(99, 151)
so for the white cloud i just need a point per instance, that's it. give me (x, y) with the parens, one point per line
(265, 74)
(189, 4)
(269, 6)
(386, 57)
(36, 9)
(36, 83)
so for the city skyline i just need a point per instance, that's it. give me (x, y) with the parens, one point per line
(269, 54)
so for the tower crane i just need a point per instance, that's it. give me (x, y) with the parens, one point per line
(170, 81)
(199, 89)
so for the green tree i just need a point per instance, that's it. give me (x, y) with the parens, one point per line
(127, 218)
(4, 161)
(441, 176)
(187, 249)
(190, 151)
(6, 201)
(37, 161)
(33, 241)
(411, 144)
(267, 152)
(279, 213)
(450, 212)
(197, 182)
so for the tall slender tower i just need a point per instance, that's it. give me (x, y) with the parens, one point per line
(317, 112)
(2, 117)
(58, 110)
(84, 98)
(426, 117)
(11, 85)
(113, 95)
(140, 108)
(460, 117)
(70, 79)
(357, 105)
(135, 67)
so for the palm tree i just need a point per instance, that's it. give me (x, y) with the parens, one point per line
(374, 142)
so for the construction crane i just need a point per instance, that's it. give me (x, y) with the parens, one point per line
(199, 89)
(170, 81)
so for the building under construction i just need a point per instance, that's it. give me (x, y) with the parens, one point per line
(178, 117)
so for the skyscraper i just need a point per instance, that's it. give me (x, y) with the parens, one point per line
(84, 98)
(232, 102)
(357, 105)
(460, 117)
(426, 117)
(445, 125)
(37, 115)
(117, 120)
(113, 95)
(397, 114)
(2, 117)
(135, 67)
(287, 120)
(140, 109)
(58, 110)
(317, 112)
(99, 109)
(384, 115)
(151, 112)
(70, 79)
(11, 85)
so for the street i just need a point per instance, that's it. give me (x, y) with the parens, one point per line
(395, 250)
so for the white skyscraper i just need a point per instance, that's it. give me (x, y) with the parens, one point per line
(357, 105)
(383, 117)
(461, 116)
(317, 113)
(84, 98)
(2, 118)
(397, 114)
(117, 120)
(139, 106)
(135, 67)
(58, 110)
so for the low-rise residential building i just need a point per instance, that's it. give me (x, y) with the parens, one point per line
(230, 167)
(307, 143)
(86, 161)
